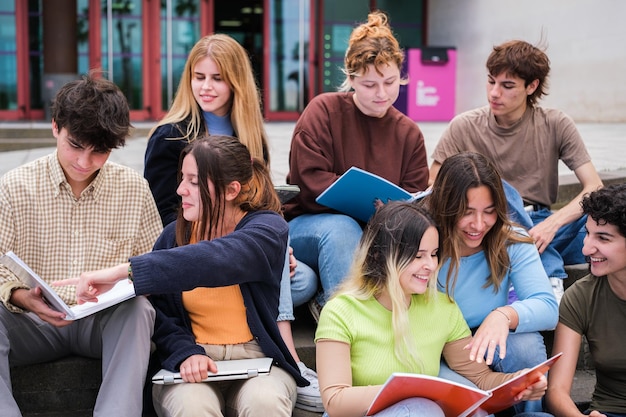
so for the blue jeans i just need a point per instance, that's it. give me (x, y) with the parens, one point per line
(410, 407)
(565, 248)
(326, 243)
(523, 350)
(295, 291)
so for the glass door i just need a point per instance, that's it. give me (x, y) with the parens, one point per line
(288, 68)
(180, 30)
(21, 61)
(8, 57)
(122, 45)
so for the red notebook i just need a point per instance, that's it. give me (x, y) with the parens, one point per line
(456, 400)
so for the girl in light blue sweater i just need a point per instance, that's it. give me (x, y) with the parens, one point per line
(483, 254)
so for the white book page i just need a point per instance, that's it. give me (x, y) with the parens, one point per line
(122, 291)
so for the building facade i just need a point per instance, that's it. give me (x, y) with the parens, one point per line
(296, 47)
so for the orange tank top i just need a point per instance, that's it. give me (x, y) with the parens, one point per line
(218, 315)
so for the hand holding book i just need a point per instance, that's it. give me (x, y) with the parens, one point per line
(97, 291)
(461, 400)
(90, 285)
(358, 193)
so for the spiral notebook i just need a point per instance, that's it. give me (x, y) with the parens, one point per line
(226, 370)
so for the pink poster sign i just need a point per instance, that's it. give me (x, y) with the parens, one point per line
(431, 88)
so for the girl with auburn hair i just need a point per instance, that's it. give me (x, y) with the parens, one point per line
(483, 255)
(387, 316)
(218, 95)
(214, 276)
(357, 126)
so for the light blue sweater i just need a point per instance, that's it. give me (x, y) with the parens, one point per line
(537, 307)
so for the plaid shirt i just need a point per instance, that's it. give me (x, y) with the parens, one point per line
(60, 236)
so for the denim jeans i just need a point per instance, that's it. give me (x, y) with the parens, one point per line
(523, 350)
(410, 407)
(565, 248)
(295, 291)
(326, 243)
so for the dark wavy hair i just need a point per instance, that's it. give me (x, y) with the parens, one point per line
(523, 60)
(607, 206)
(94, 111)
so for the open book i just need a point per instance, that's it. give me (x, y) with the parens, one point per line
(456, 400)
(122, 291)
(355, 192)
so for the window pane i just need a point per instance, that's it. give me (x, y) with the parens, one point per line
(185, 33)
(289, 39)
(82, 12)
(340, 17)
(8, 58)
(122, 40)
(35, 56)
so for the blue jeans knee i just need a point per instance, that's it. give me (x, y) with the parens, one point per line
(325, 242)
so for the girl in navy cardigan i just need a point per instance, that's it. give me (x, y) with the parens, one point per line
(214, 276)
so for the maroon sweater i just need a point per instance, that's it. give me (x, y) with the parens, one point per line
(333, 135)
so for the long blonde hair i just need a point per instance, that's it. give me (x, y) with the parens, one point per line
(234, 65)
(389, 244)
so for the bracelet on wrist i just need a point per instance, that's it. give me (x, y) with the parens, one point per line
(130, 273)
(503, 313)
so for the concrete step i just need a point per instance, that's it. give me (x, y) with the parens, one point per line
(569, 187)
(39, 135)
(68, 387)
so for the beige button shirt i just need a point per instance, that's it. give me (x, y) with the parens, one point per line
(59, 236)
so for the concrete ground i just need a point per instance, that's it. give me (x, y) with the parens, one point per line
(606, 143)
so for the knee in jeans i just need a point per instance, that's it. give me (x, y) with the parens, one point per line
(412, 407)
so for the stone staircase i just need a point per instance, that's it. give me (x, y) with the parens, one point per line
(68, 387)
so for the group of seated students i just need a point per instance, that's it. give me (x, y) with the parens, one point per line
(459, 284)
(503, 251)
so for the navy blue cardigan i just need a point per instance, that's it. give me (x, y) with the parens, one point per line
(161, 168)
(252, 256)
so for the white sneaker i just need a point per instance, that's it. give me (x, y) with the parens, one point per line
(309, 397)
(316, 309)
(557, 288)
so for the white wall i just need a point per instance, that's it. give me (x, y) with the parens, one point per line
(586, 44)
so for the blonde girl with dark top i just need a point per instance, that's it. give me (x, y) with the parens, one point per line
(218, 95)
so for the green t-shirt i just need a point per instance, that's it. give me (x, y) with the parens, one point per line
(366, 326)
(591, 308)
